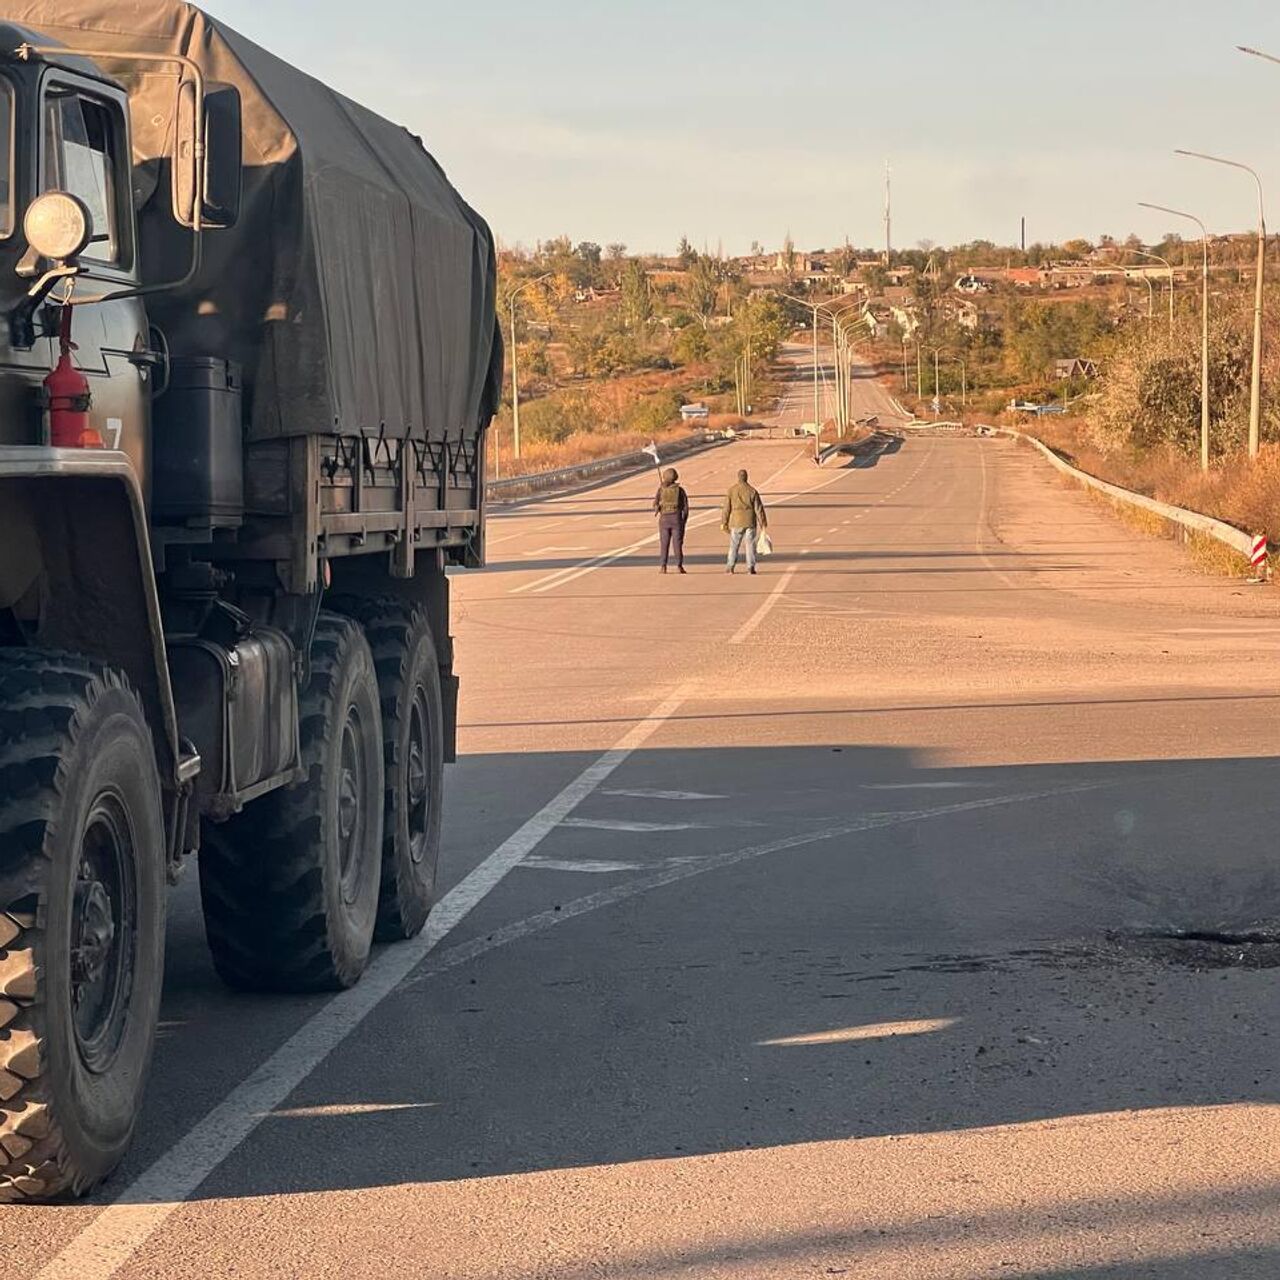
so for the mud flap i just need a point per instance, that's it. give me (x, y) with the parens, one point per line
(449, 703)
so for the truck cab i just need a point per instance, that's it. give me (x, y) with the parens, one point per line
(68, 129)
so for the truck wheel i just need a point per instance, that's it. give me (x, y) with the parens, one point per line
(290, 885)
(408, 668)
(82, 871)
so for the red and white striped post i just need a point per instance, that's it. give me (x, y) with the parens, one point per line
(1258, 558)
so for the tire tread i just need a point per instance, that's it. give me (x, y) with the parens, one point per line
(390, 626)
(45, 697)
(261, 887)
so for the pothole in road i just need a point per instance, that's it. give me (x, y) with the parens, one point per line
(1212, 948)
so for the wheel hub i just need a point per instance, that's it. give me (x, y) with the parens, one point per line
(96, 930)
(102, 924)
(418, 799)
(351, 784)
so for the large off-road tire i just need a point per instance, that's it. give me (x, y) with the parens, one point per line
(408, 666)
(290, 885)
(82, 885)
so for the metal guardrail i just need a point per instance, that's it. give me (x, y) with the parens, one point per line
(572, 477)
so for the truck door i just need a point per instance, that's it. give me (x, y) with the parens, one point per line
(85, 150)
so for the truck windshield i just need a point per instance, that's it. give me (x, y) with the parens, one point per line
(80, 158)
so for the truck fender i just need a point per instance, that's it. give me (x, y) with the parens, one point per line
(76, 572)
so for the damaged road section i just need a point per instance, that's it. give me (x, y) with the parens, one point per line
(1256, 947)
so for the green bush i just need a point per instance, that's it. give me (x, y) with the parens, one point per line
(652, 413)
(1150, 392)
(555, 418)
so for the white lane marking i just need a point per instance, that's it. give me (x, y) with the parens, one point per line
(685, 870)
(624, 824)
(647, 793)
(108, 1242)
(519, 533)
(564, 576)
(804, 551)
(598, 866)
(539, 585)
(545, 551)
(744, 632)
(922, 786)
(818, 540)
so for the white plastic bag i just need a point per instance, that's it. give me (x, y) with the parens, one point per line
(764, 544)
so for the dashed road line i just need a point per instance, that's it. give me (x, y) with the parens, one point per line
(626, 824)
(588, 866)
(674, 872)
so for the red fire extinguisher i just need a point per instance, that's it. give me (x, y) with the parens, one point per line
(67, 395)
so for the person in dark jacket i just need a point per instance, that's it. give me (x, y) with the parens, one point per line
(671, 506)
(743, 518)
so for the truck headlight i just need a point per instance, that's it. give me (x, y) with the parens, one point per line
(58, 225)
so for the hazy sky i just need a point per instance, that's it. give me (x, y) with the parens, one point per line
(733, 122)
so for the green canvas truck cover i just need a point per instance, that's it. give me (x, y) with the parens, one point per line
(357, 289)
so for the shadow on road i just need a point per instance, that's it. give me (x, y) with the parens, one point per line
(848, 942)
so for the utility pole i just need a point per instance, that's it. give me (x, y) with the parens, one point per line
(515, 377)
(888, 216)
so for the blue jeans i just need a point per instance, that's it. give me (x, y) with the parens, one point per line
(736, 538)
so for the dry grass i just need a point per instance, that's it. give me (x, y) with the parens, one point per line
(537, 456)
(1212, 556)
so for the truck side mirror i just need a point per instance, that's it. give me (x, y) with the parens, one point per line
(222, 165)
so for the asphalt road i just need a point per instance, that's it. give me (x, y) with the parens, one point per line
(799, 925)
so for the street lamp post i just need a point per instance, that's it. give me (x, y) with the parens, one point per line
(1255, 381)
(515, 375)
(813, 307)
(840, 376)
(1168, 266)
(1151, 297)
(844, 348)
(1204, 324)
(964, 377)
(826, 309)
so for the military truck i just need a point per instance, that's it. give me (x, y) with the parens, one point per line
(248, 358)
